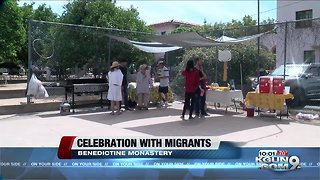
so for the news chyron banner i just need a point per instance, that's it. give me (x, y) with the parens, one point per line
(191, 147)
(158, 157)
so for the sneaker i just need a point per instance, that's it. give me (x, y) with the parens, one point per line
(161, 103)
(191, 117)
(182, 117)
(166, 104)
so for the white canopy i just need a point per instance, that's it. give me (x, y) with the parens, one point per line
(150, 47)
(225, 39)
(154, 47)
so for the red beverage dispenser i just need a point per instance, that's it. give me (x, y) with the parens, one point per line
(277, 85)
(264, 84)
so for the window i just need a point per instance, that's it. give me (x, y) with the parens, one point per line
(309, 56)
(304, 15)
(163, 32)
(314, 71)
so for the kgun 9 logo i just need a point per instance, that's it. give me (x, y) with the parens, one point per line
(277, 160)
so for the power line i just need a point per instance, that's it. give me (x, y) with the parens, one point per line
(269, 10)
(278, 7)
(90, 27)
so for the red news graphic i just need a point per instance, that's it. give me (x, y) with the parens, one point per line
(64, 151)
(282, 152)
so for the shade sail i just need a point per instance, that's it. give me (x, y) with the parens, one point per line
(186, 40)
(171, 42)
(150, 47)
(226, 39)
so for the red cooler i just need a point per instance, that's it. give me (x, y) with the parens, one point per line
(264, 84)
(278, 85)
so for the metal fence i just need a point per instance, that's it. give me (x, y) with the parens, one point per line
(62, 51)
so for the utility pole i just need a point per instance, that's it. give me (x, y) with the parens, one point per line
(285, 50)
(29, 59)
(258, 58)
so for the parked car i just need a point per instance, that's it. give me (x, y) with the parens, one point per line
(4, 71)
(304, 82)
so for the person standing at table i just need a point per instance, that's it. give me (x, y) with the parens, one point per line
(163, 75)
(192, 83)
(201, 92)
(124, 88)
(143, 87)
(115, 78)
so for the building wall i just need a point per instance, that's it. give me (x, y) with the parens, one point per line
(298, 39)
(167, 28)
(287, 9)
(159, 29)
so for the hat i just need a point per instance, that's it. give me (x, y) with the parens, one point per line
(144, 66)
(115, 64)
(160, 62)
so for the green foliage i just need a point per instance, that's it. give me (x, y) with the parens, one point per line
(12, 34)
(236, 28)
(42, 13)
(84, 46)
(245, 53)
(181, 29)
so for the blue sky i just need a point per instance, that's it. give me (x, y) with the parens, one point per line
(192, 11)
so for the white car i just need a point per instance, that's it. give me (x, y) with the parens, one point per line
(4, 71)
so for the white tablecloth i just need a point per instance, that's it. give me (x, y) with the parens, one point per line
(223, 97)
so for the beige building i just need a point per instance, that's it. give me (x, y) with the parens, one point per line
(165, 28)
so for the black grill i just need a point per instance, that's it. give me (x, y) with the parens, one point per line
(86, 86)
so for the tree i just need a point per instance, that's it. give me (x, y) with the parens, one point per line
(12, 34)
(79, 46)
(181, 29)
(244, 53)
(42, 13)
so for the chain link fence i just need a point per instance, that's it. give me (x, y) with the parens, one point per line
(62, 51)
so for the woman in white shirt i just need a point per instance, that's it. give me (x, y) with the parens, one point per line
(115, 78)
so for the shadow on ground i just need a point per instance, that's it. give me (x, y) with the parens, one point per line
(167, 122)
(108, 119)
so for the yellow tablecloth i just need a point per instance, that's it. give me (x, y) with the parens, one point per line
(220, 88)
(267, 101)
(154, 95)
